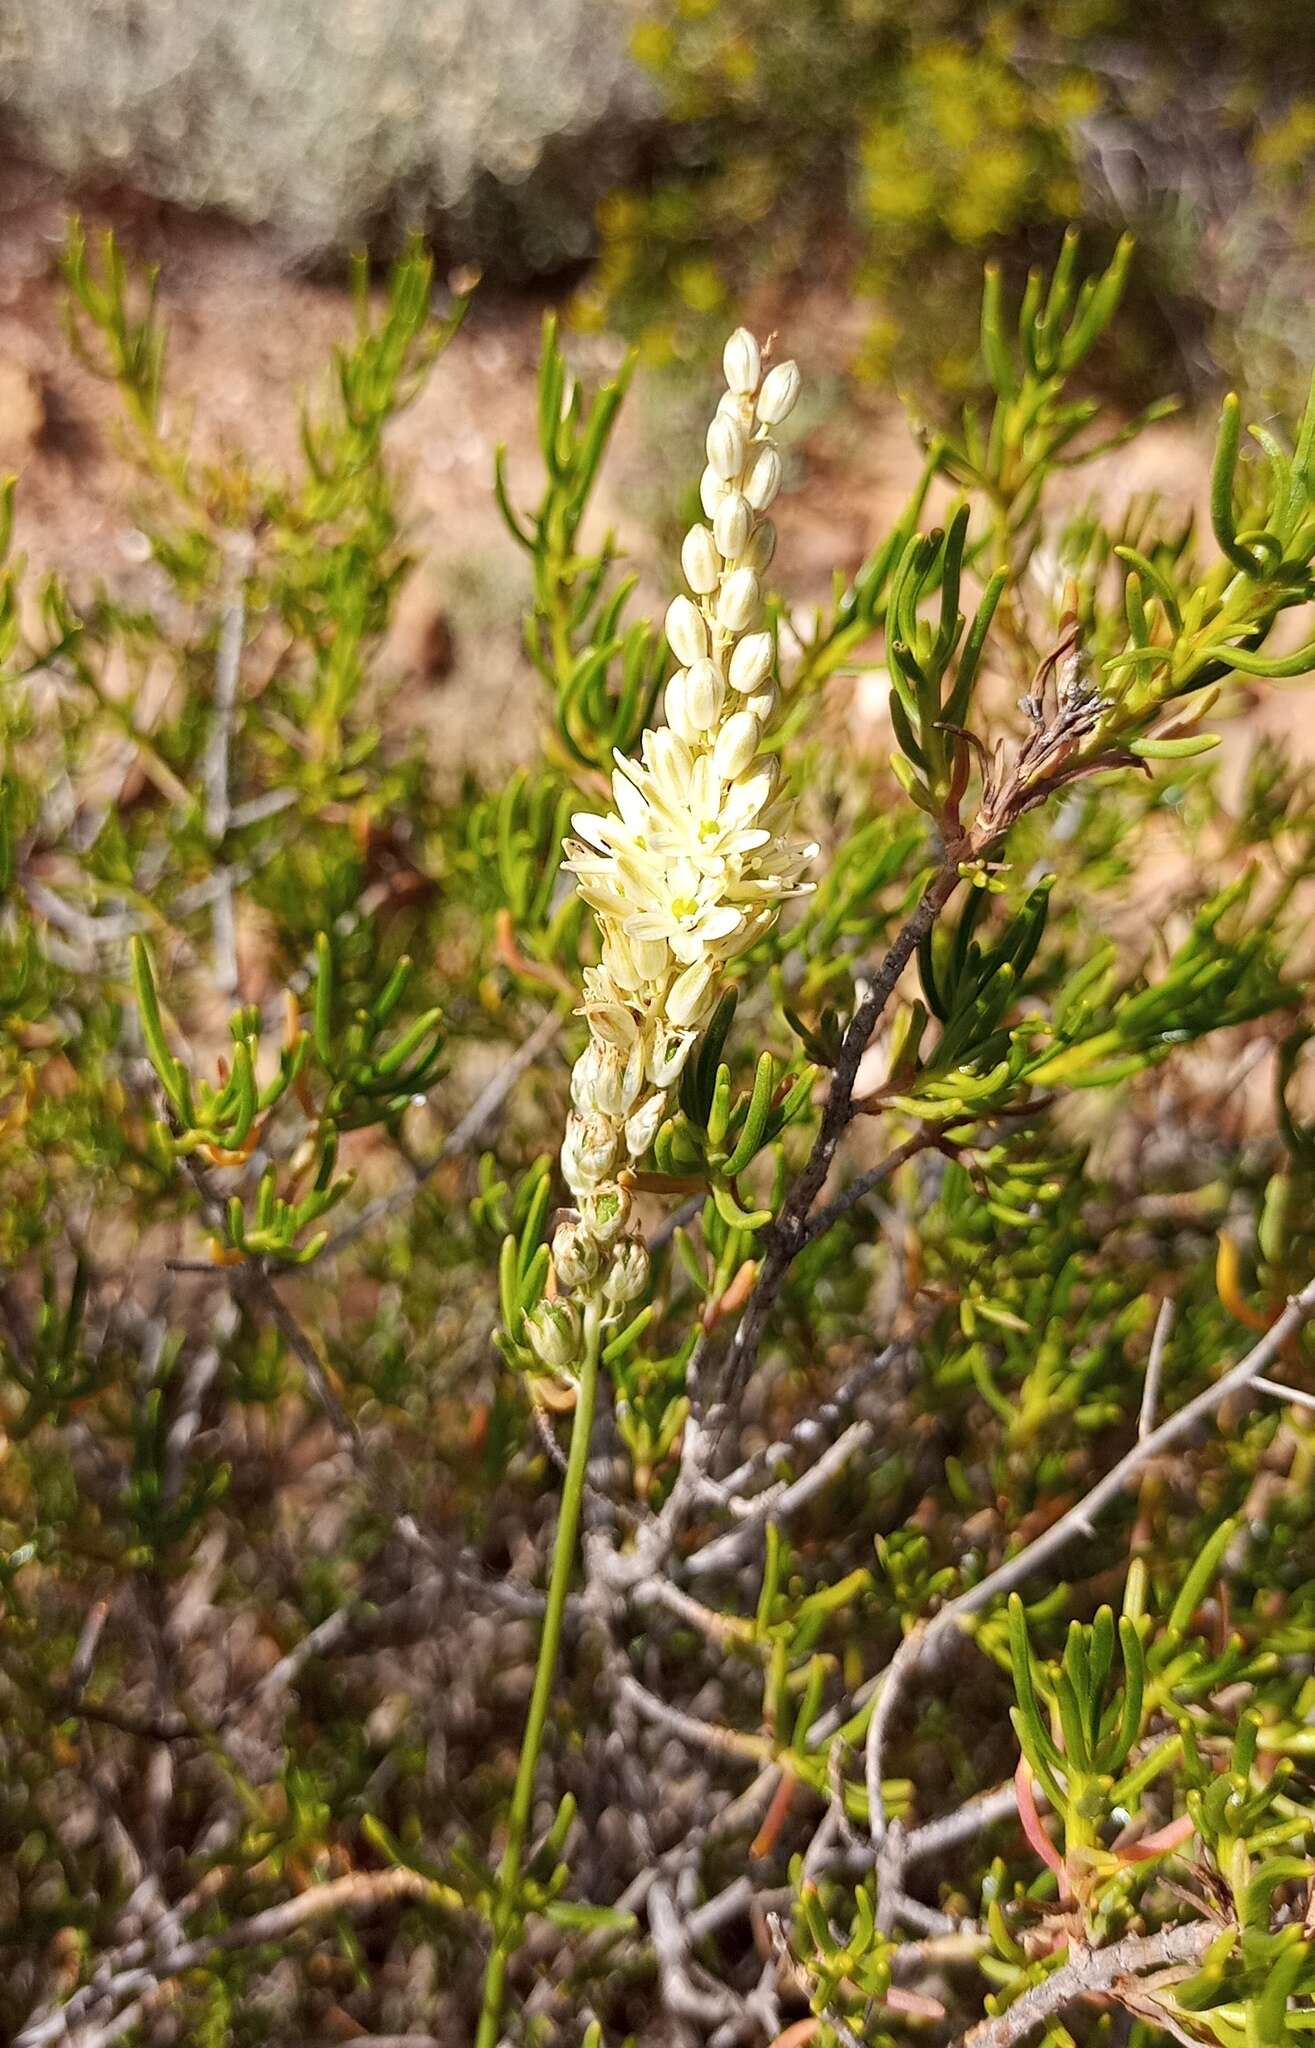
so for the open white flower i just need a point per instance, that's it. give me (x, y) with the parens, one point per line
(720, 828)
(684, 908)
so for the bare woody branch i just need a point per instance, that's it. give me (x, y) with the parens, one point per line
(1077, 1522)
(788, 1235)
(1091, 1973)
(135, 1990)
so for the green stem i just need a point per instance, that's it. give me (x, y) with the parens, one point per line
(506, 1930)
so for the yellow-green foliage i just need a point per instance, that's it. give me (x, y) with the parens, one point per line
(885, 135)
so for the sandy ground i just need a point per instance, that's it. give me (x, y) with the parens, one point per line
(246, 339)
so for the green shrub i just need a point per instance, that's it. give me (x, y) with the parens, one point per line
(870, 1385)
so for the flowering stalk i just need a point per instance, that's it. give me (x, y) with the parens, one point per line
(688, 870)
(506, 1916)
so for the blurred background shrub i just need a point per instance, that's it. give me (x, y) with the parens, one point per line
(700, 147)
(908, 140)
(337, 121)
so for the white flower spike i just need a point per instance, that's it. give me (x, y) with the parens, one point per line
(697, 857)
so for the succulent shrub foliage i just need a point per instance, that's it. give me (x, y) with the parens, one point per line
(670, 1401)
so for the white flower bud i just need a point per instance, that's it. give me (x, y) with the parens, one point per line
(764, 704)
(606, 1212)
(552, 1331)
(686, 996)
(675, 702)
(732, 523)
(750, 663)
(686, 632)
(644, 1123)
(711, 491)
(666, 756)
(760, 547)
(589, 1151)
(575, 1254)
(741, 361)
(764, 477)
(725, 447)
(737, 743)
(698, 558)
(780, 390)
(737, 604)
(627, 1276)
(704, 692)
